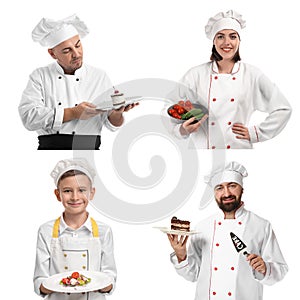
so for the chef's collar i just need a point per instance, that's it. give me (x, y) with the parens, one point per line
(60, 70)
(239, 212)
(235, 68)
(63, 225)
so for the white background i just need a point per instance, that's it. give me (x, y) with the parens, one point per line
(142, 39)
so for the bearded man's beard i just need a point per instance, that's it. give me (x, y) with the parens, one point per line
(232, 206)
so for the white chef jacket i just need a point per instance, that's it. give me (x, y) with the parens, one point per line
(232, 98)
(43, 268)
(49, 91)
(220, 271)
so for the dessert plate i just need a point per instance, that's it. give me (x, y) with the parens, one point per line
(177, 232)
(109, 106)
(99, 280)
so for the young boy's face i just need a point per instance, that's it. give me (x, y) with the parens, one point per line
(74, 193)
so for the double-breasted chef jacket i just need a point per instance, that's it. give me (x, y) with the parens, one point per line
(62, 249)
(233, 98)
(49, 91)
(219, 270)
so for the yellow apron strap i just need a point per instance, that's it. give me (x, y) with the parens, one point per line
(95, 228)
(55, 231)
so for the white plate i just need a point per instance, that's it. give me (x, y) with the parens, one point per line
(108, 105)
(177, 232)
(98, 281)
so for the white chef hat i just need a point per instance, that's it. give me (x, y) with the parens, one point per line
(224, 20)
(49, 33)
(66, 165)
(232, 172)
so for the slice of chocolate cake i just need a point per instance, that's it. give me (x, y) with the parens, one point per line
(181, 225)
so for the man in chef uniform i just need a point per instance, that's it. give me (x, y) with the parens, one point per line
(231, 91)
(74, 241)
(57, 102)
(212, 259)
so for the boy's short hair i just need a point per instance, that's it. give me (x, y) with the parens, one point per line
(71, 173)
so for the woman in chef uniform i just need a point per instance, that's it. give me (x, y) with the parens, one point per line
(212, 259)
(231, 90)
(74, 241)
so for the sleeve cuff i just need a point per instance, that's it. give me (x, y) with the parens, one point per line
(112, 290)
(37, 284)
(177, 133)
(58, 118)
(109, 125)
(263, 278)
(175, 262)
(253, 132)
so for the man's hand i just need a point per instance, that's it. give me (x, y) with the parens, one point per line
(257, 263)
(116, 116)
(82, 111)
(188, 126)
(179, 246)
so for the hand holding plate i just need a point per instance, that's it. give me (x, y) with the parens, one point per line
(106, 289)
(44, 290)
(179, 245)
(190, 126)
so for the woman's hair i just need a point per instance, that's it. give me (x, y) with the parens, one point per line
(72, 173)
(215, 56)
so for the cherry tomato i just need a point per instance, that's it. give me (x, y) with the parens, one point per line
(171, 111)
(177, 116)
(181, 110)
(188, 103)
(176, 107)
(75, 275)
(181, 103)
(65, 280)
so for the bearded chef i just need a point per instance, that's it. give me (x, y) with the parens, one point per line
(74, 241)
(57, 102)
(212, 259)
(231, 91)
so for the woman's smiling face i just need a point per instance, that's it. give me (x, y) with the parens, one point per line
(227, 43)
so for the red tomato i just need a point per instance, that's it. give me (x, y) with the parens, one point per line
(177, 116)
(171, 111)
(65, 280)
(176, 107)
(181, 103)
(181, 110)
(188, 103)
(75, 275)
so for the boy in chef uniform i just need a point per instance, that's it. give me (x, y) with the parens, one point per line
(212, 259)
(74, 241)
(57, 100)
(232, 91)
